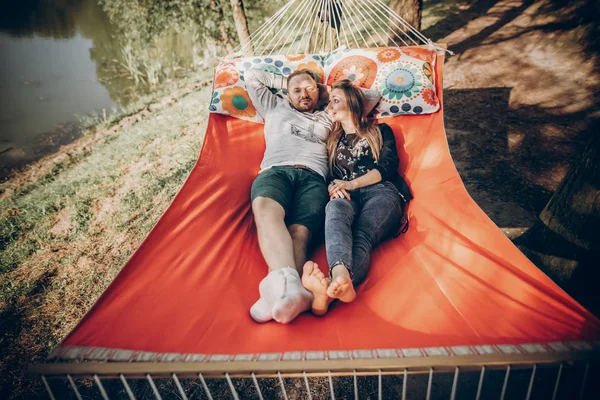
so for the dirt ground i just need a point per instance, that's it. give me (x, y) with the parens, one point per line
(518, 95)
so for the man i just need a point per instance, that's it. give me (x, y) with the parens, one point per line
(289, 194)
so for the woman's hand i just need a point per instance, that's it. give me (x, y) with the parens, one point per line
(338, 184)
(339, 194)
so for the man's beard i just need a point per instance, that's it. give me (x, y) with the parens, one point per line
(302, 106)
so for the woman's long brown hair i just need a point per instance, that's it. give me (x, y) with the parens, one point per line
(355, 100)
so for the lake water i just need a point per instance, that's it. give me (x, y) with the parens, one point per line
(47, 78)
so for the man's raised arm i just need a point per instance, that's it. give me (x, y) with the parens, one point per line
(258, 84)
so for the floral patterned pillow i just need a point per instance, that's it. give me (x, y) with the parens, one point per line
(403, 75)
(230, 96)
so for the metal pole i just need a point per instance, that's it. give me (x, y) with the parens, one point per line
(282, 386)
(585, 374)
(454, 384)
(557, 381)
(153, 386)
(178, 384)
(404, 384)
(355, 386)
(307, 386)
(331, 385)
(233, 391)
(48, 388)
(505, 382)
(74, 387)
(480, 386)
(205, 386)
(531, 382)
(260, 396)
(379, 385)
(127, 388)
(429, 383)
(101, 387)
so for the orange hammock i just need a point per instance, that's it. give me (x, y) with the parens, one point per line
(453, 281)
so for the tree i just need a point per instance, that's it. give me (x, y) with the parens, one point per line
(564, 242)
(410, 11)
(241, 25)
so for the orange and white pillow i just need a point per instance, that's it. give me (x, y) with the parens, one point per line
(403, 75)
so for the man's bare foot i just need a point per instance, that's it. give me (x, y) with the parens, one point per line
(316, 283)
(342, 288)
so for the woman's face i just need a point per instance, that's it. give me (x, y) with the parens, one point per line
(338, 106)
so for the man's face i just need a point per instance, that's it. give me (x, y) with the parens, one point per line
(303, 93)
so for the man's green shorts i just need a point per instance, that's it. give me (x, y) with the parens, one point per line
(301, 192)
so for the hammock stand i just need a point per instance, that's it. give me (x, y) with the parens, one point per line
(312, 26)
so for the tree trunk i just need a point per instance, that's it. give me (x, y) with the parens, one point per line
(241, 25)
(410, 11)
(565, 241)
(222, 29)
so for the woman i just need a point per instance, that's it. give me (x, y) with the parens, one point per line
(365, 206)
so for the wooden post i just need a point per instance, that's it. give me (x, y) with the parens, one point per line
(241, 25)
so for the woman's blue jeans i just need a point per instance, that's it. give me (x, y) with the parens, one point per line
(354, 227)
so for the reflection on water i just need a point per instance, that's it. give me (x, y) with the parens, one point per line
(63, 59)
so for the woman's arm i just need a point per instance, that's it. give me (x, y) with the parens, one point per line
(388, 157)
(371, 177)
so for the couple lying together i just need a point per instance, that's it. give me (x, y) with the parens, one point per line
(334, 165)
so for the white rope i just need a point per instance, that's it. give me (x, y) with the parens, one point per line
(271, 25)
(404, 23)
(357, 27)
(353, 23)
(339, 21)
(264, 27)
(312, 28)
(383, 42)
(380, 15)
(282, 34)
(305, 21)
(324, 25)
(314, 49)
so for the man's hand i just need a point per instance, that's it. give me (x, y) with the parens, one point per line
(339, 194)
(323, 94)
(339, 184)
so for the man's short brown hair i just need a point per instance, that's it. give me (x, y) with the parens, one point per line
(305, 71)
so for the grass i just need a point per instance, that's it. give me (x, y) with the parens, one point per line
(66, 233)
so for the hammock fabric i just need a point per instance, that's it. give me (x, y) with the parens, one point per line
(452, 280)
